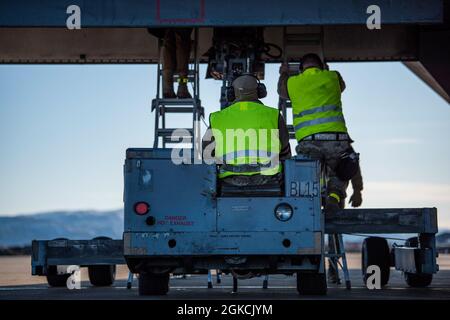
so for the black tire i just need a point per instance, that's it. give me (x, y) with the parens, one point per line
(375, 251)
(311, 283)
(151, 284)
(102, 275)
(54, 279)
(416, 280)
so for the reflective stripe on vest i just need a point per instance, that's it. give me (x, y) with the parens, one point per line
(247, 116)
(316, 103)
(235, 155)
(319, 121)
(317, 110)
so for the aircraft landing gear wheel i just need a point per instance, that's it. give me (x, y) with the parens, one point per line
(311, 283)
(153, 284)
(375, 251)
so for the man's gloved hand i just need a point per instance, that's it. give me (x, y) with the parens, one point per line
(355, 199)
(284, 68)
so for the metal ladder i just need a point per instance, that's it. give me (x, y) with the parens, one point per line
(162, 107)
(312, 41)
(337, 258)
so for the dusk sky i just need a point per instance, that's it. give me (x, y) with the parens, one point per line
(64, 131)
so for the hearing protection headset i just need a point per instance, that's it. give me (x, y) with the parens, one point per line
(261, 88)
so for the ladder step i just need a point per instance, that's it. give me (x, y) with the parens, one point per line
(179, 110)
(191, 76)
(177, 139)
(176, 101)
(170, 132)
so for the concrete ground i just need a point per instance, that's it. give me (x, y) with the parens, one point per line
(16, 282)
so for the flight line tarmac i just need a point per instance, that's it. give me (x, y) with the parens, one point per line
(195, 287)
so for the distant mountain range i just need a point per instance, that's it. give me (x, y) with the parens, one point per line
(21, 230)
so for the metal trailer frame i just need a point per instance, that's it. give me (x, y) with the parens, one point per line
(83, 253)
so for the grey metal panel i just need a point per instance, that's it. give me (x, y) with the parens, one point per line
(257, 214)
(136, 45)
(302, 179)
(148, 13)
(220, 243)
(420, 71)
(357, 43)
(60, 45)
(405, 259)
(180, 196)
(415, 260)
(147, 153)
(396, 220)
(433, 65)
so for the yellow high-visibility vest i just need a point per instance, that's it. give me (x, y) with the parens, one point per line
(316, 102)
(247, 139)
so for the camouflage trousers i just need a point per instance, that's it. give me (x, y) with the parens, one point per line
(177, 48)
(328, 153)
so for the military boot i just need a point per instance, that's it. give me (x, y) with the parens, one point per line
(332, 204)
(183, 92)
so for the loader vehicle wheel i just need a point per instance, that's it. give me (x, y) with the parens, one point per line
(54, 279)
(375, 251)
(102, 275)
(311, 283)
(153, 284)
(416, 280)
